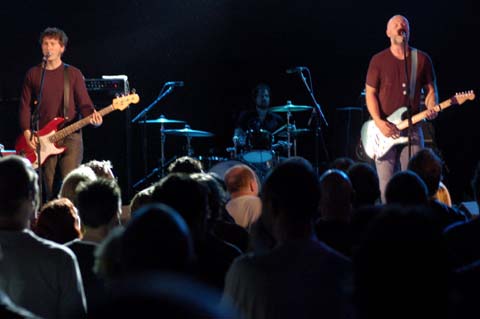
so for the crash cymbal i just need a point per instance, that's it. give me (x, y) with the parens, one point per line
(349, 108)
(294, 132)
(187, 131)
(162, 120)
(289, 107)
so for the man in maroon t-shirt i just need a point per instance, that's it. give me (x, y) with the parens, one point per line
(53, 42)
(386, 91)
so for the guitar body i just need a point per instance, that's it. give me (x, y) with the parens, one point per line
(48, 135)
(375, 144)
(47, 148)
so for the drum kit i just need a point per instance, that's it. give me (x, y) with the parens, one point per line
(186, 132)
(260, 151)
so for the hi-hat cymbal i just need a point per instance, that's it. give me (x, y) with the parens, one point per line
(187, 131)
(289, 107)
(162, 120)
(294, 132)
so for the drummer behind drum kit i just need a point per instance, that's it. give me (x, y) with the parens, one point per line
(259, 152)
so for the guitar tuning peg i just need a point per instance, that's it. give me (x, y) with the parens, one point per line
(134, 91)
(117, 95)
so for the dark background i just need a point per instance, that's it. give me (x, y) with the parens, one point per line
(222, 49)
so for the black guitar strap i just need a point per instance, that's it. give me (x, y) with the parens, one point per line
(66, 91)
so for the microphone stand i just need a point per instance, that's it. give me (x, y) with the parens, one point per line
(408, 99)
(35, 125)
(316, 114)
(143, 114)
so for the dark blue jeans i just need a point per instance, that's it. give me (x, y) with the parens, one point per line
(397, 159)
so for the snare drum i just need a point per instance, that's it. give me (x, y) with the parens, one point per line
(258, 146)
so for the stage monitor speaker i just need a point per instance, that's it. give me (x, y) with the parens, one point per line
(112, 140)
(348, 123)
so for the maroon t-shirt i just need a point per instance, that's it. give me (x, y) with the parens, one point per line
(386, 73)
(52, 96)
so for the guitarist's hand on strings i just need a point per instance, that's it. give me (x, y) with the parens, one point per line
(30, 138)
(431, 114)
(96, 119)
(388, 128)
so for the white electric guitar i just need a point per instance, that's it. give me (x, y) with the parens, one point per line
(376, 145)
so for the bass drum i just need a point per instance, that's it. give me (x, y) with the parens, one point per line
(258, 147)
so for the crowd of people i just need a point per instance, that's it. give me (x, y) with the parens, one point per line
(198, 244)
(353, 241)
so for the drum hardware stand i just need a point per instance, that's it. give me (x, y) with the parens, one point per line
(316, 114)
(143, 114)
(157, 171)
(289, 114)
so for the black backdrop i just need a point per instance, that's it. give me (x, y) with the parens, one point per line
(221, 49)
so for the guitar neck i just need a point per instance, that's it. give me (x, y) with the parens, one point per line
(423, 115)
(78, 125)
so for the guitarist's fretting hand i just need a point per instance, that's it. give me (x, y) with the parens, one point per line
(387, 128)
(31, 140)
(431, 114)
(96, 119)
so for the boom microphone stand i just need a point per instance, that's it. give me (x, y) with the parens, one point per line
(143, 114)
(407, 93)
(35, 125)
(316, 114)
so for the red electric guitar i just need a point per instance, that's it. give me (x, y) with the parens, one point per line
(48, 135)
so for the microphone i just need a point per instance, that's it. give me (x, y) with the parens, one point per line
(402, 33)
(296, 69)
(174, 83)
(46, 56)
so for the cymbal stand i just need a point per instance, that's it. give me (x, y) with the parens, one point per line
(162, 148)
(289, 114)
(189, 146)
(189, 142)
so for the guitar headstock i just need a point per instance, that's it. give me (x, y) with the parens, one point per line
(462, 97)
(122, 102)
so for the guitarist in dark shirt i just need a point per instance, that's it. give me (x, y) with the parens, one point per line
(53, 42)
(386, 91)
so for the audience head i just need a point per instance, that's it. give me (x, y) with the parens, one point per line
(428, 167)
(108, 256)
(186, 164)
(406, 188)
(336, 195)
(58, 221)
(102, 169)
(19, 198)
(72, 180)
(365, 184)
(401, 266)
(342, 163)
(161, 295)
(187, 196)
(216, 194)
(99, 203)
(161, 227)
(141, 199)
(290, 198)
(241, 179)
